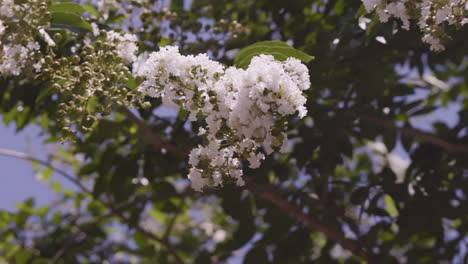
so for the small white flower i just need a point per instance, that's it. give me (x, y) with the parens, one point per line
(362, 22)
(381, 39)
(125, 44)
(46, 37)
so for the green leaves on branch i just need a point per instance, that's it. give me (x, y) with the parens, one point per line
(68, 7)
(70, 20)
(390, 206)
(69, 15)
(278, 49)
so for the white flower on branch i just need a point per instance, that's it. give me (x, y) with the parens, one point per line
(125, 44)
(243, 109)
(430, 16)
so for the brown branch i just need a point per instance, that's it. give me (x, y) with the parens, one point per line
(421, 135)
(61, 252)
(110, 206)
(172, 221)
(271, 194)
(152, 137)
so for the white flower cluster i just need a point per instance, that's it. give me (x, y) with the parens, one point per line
(7, 8)
(244, 110)
(431, 14)
(15, 57)
(125, 45)
(18, 49)
(2, 28)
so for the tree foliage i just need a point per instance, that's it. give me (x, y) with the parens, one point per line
(341, 194)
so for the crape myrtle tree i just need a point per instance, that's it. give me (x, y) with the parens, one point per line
(216, 131)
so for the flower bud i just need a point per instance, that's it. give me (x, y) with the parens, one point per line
(57, 37)
(75, 59)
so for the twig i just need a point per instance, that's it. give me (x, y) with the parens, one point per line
(24, 156)
(147, 233)
(172, 221)
(65, 247)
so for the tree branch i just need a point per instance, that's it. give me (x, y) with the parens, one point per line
(61, 252)
(24, 156)
(172, 221)
(270, 193)
(147, 233)
(267, 193)
(110, 206)
(421, 135)
(152, 137)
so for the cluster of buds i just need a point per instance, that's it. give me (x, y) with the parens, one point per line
(89, 90)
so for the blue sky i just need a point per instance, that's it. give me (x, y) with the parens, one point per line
(18, 181)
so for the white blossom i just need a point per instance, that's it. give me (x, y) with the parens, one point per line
(381, 39)
(125, 44)
(433, 41)
(2, 28)
(430, 18)
(7, 8)
(46, 37)
(95, 29)
(15, 57)
(363, 21)
(371, 4)
(241, 107)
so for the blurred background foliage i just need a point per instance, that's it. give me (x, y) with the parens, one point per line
(364, 182)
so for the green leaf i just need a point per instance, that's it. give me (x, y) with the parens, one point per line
(22, 257)
(91, 9)
(22, 118)
(56, 186)
(373, 26)
(390, 206)
(279, 50)
(361, 11)
(177, 4)
(340, 7)
(46, 92)
(70, 20)
(183, 114)
(88, 168)
(140, 239)
(68, 7)
(46, 173)
(9, 116)
(92, 104)
(133, 82)
(118, 19)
